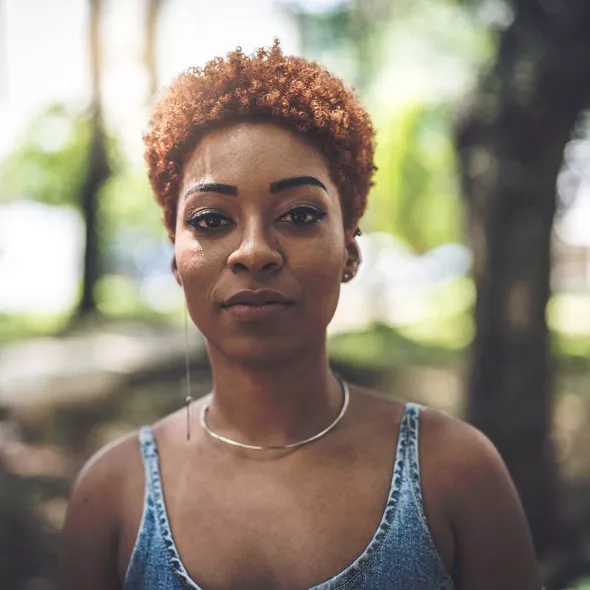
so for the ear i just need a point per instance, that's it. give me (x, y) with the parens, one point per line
(175, 272)
(353, 256)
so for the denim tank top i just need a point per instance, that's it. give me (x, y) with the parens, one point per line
(400, 556)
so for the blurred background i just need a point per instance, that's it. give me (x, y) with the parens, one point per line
(474, 293)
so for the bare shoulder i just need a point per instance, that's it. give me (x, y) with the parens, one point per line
(472, 507)
(103, 477)
(94, 515)
(463, 456)
(460, 454)
(464, 446)
(465, 476)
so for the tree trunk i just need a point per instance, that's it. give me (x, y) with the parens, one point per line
(97, 172)
(511, 145)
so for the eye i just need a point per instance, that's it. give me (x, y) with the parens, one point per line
(208, 221)
(303, 216)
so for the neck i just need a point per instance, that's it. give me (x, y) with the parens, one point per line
(275, 403)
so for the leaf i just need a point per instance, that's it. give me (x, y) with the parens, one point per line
(416, 196)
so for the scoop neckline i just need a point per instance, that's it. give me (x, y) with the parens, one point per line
(336, 582)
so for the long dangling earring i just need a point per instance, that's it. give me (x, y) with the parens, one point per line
(188, 400)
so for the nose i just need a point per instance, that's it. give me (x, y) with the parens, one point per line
(257, 252)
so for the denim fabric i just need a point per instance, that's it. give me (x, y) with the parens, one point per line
(400, 556)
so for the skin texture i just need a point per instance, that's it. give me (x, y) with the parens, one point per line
(284, 520)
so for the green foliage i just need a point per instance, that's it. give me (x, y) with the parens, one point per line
(449, 321)
(416, 196)
(119, 298)
(50, 163)
(15, 327)
(572, 352)
(347, 38)
(50, 160)
(127, 204)
(380, 348)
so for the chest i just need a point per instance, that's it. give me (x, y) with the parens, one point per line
(276, 529)
(277, 525)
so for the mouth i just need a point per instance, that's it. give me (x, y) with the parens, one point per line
(257, 298)
(248, 312)
(257, 306)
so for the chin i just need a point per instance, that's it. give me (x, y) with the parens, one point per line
(263, 349)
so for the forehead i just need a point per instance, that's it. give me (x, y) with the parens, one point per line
(248, 150)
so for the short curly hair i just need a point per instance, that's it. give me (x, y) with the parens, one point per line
(265, 86)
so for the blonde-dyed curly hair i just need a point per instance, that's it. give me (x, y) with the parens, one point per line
(266, 86)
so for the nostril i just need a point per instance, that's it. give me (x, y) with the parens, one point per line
(256, 259)
(240, 266)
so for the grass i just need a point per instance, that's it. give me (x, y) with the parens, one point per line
(16, 327)
(381, 347)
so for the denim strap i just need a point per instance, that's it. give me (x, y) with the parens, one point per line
(149, 453)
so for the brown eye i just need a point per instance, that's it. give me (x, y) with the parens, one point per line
(299, 216)
(303, 216)
(211, 220)
(208, 222)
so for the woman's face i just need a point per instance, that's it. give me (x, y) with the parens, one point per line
(258, 211)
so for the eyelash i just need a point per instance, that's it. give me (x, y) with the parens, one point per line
(193, 222)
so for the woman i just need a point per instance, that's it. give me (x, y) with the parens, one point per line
(290, 478)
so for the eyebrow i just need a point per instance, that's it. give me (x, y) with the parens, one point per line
(212, 187)
(282, 185)
(275, 187)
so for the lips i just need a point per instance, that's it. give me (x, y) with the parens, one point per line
(257, 298)
(257, 306)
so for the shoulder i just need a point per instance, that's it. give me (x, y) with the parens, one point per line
(444, 441)
(465, 459)
(456, 460)
(461, 443)
(97, 491)
(95, 512)
(465, 474)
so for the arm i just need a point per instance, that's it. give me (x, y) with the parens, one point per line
(493, 543)
(88, 557)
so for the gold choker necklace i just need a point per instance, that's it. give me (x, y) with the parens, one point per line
(235, 443)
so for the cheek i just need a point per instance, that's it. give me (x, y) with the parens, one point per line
(197, 274)
(321, 271)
